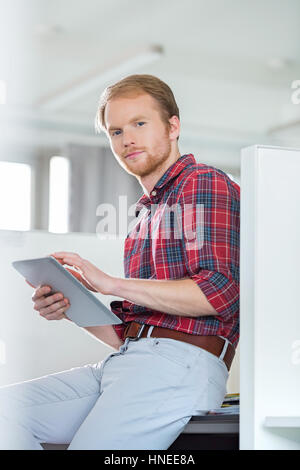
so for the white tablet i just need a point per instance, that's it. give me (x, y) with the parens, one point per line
(85, 309)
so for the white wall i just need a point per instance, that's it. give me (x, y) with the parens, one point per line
(33, 345)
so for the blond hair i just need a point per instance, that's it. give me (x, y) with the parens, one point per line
(134, 85)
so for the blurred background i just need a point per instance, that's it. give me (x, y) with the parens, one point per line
(234, 68)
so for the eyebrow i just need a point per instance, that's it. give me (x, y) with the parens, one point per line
(136, 118)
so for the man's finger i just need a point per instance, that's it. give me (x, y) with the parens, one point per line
(40, 292)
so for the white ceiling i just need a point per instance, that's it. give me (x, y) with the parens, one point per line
(230, 64)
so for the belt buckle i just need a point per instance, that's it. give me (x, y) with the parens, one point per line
(139, 333)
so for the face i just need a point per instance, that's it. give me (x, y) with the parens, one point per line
(138, 137)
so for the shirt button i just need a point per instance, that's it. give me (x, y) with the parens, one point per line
(153, 193)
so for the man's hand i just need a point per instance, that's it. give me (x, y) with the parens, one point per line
(92, 277)
(52, 307)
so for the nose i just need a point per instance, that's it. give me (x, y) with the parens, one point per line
(128, 138)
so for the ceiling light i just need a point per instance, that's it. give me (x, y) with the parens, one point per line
(96, 81)
(278, 63)
(44, 29)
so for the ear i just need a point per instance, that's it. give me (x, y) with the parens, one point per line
(174, 129)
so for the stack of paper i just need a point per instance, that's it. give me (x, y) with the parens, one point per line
(230, 405)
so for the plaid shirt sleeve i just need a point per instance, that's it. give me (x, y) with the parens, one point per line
(210, 241)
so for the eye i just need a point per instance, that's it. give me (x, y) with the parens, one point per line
(115, 133)
(118, 131)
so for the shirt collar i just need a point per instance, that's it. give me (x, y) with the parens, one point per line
(172, 172)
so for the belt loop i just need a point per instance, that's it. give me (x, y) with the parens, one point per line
(140, 331)
(221, 357)
(150, 331)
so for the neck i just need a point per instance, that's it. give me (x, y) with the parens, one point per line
(148, 182)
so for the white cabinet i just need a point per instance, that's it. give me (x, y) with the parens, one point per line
(270, 298)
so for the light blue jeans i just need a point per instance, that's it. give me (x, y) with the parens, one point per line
(140, 397)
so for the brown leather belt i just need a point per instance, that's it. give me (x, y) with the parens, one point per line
(212, 344)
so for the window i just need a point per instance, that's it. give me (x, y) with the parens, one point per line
(59, 195)
(15, 196)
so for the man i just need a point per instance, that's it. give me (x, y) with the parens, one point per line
(181, 297)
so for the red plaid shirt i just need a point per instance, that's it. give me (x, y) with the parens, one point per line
(187, 228)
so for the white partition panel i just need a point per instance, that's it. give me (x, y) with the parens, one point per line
(270, 298)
